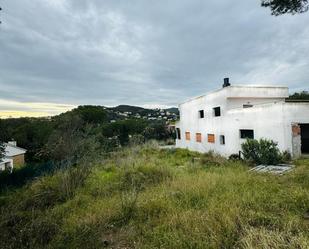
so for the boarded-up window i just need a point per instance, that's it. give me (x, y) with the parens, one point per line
(178, 136)
(188, 135)
(198, 137)
(211, 138)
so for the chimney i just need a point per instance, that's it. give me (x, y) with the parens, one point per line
(226, 82)
(12, 143)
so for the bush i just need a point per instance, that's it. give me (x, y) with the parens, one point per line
(234, 157)
(261, 151)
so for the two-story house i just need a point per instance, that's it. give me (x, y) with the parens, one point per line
(221, 120)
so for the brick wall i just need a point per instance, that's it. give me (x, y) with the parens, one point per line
(296, 140)
(19, 160)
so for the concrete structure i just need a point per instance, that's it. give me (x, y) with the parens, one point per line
(6, 164)
(14, 155)
(223, 119)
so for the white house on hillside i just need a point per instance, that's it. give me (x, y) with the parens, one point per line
(223, 119)
(14, 156)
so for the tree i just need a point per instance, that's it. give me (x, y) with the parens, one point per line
(304, 95)
(2, 150)
(280, 7)
(262, 151)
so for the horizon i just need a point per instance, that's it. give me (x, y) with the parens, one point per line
(25, 114)
(59, 54)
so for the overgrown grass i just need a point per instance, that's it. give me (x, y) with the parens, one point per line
(145, 197)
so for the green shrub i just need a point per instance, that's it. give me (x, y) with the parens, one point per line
(261, 151)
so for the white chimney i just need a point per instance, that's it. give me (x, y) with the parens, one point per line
(14, 143)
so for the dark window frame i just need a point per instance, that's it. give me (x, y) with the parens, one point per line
(222, 139)
(217, 111)
(247, 105)
(246, 133)
(201, 114)
(178, 133)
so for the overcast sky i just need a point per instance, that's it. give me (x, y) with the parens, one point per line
(55, 54)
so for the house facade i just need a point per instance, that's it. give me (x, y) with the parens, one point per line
(221, 120)
(14, 156)
(6, 164)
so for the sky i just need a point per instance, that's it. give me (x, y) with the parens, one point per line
(58, 54)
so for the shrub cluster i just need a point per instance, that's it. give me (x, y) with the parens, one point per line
(263, 151)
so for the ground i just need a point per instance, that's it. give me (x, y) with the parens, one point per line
(147, 197)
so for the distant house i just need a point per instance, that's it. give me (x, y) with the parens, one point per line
(6, 164)
(14, 156)
(221, 120)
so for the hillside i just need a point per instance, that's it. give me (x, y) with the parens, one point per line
(146, 197)
(127, 111)
(104, 128)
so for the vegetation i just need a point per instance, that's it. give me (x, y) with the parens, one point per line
(86, 129)
(304, 95)
(279, 7)
(146, 197)
(262, 151)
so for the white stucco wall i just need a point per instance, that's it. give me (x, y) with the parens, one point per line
(270, 117)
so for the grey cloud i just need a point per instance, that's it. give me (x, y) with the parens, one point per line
(137, 52)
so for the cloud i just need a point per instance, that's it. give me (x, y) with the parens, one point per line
(23, 109)
(137, 52)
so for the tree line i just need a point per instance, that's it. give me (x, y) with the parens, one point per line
(84, 131)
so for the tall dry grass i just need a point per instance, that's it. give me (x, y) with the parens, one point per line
(145, 197)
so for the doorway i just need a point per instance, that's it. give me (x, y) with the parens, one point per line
(304, 134)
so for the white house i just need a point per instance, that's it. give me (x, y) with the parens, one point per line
(14, 156)
(6, 164)
(221, 120)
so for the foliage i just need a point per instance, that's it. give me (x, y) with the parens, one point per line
(304, 95)
(21, 175)
(122, 129)
(73, 140)
(146, 197)
(30, 133)
(279, 7)
(84, 129)
(91, 114)
(261, 151)
(157, 131)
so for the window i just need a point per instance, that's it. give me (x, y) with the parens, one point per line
(222, 139)
(211, 138)
(198, 137)
(217, 111)
(247, 134)
(188, 135)
(178, 136)
(247, 106)
(201, 113)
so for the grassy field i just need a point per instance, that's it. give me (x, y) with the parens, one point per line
(145, 197)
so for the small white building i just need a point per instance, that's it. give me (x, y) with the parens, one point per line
(221, 120)
(6, 164)
(14, 156)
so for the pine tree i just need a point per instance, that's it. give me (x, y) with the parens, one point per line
(280, 7)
